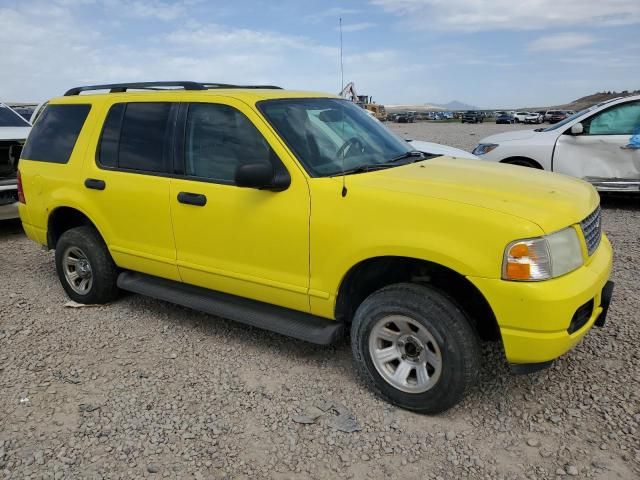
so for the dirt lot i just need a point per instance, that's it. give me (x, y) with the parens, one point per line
(142, 388)
(465, 136)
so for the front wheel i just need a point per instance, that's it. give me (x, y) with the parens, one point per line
(414, 347)
(85, 267)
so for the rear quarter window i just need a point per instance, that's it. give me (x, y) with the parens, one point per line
(135, 137)
(53, 137)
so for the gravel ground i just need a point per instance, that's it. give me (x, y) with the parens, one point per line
(461, 135)
(142, 388)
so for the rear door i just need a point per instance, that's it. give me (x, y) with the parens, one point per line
(127, 185)
(601, 152)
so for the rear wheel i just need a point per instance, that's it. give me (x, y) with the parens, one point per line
(85, 267)
(415, 347)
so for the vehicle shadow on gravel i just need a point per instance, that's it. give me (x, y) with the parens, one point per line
(620, 201)
(10, 228)
(496, 384)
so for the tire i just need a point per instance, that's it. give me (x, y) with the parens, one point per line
(81, 251)
(449, 337)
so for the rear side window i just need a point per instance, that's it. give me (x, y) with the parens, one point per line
(135, 137)
(54, 135)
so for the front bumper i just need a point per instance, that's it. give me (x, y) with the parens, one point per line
(535, 318)
(9, 212)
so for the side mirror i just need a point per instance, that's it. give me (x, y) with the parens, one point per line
(262, 176)
(577, 129)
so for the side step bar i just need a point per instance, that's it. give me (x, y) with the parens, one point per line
(292, 323)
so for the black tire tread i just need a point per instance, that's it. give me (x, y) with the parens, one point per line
(105, 271)
(436, 304)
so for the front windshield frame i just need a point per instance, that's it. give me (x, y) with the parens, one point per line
(398, 146)
(10, 118)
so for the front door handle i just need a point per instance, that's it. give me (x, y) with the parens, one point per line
(95, 184)
(189, 198)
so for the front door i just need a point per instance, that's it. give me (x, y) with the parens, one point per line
(247, 242)
(602, 151)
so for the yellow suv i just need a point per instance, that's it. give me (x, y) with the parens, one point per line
(298, 213)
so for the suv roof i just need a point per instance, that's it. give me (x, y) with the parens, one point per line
(123, 87)
(257, 92)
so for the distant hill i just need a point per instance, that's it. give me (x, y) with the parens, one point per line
(587, 101)
(456, 105)
(430, 107)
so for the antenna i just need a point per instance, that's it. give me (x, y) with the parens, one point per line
(344, 183)
(341, 64)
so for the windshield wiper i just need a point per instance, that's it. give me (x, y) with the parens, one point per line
(363, 169)
(404, 156)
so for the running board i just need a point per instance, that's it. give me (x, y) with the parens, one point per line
(291, 323)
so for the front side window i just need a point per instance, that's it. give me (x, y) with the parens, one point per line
(135, 137)
(618, 120)
(330, 136)
(218, 139)
(53, 137)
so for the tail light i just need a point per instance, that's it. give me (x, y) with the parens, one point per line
(21, 198)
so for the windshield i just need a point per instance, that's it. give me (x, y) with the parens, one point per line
(569, 119)
(9, 118)
(330, 135)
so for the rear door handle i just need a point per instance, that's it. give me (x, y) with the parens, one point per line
(95, 184)
(189, 198)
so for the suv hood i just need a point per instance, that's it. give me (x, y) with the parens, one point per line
(550, 200)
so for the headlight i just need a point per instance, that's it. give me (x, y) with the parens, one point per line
(543, 257)
(483, 148)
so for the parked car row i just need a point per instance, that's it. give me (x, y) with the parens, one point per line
(551, 116)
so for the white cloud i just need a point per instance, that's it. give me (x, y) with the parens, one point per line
(356, 27)
(153, 9)
(55, 48)
(561, 41)
(483, 15)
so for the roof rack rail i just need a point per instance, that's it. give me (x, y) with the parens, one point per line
(123, 87)
(227, 85)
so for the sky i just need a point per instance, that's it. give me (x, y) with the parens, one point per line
(488, 53)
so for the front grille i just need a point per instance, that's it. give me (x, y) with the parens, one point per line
(592, 231)
(581, 317)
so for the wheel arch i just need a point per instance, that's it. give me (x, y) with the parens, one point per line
(64, 218)
(533, 163)
(374, 273)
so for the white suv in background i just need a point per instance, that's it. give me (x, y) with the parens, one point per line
(521, 116)
(13, 133)
(600, 144)
(533, 117)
